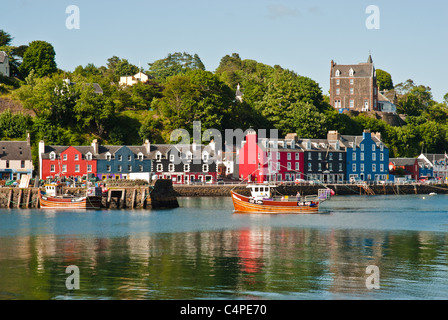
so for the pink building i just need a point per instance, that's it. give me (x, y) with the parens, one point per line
(265, 159)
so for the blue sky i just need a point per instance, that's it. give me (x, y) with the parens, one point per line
(304, 36)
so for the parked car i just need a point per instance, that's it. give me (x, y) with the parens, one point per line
(220, 181)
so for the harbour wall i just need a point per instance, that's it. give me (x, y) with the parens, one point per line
(339, 189)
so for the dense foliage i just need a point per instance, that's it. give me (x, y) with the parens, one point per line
(180, 91)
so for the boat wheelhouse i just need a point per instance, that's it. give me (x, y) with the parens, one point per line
(53, 198)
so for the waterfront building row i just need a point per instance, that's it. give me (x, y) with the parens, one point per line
(336, 159)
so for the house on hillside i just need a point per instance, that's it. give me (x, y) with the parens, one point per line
(131, 80)
(15, 160)
(439, 164)
(353, 86)
(5, 69)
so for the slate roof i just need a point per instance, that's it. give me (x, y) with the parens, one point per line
(15, 150)
(399, 162)
(361, 70)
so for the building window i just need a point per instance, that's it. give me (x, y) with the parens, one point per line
(309, 166)
(140, 156)
(129, 168)
(158, 156)
(353, 156)
(140, 168)
(89, 156)
(373, 147)
(288, 165)
(309, 155)
(338, 91)
(340, 155)
(52, 168)
(338, 73)
(289, 156)
(337, 103)
(352, 81)
(352, 91)
(119, 168)
(354, 167)
(381, 147)
(205, 168)
(77, 168)
(89, 168)
(340, 166)
(381, 167)
(362, 147)
(159, 168)
(297, 156)
(108, 168)
(64, 168)
(381, 156)
(319, 166)
(297, 166)
(22, 164)
(352, 103)
(129, 157)
(373, 167)
(319, 156)
(52, 156)
(171, 167)
(186, 168)
(330, 156)
(120, 157)
(76, 156)
(362, 156)
(108, 157)
(64, 157)
(373, 156)
(171, 157)
(362, 167)
(338, 82)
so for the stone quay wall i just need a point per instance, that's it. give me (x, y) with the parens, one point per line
(339, 189)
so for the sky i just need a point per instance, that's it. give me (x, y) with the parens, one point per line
(408, 39)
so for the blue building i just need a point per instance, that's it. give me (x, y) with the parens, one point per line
(123, 162)
(367, 157)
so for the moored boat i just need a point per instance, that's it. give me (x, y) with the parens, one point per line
(53, 198)
(261, 200)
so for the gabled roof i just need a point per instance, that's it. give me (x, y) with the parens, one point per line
(403, 161)
(360, 70)
(15, 150)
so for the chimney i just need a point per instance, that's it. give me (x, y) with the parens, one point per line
(333, 135)
(95, 146)
(28, 139)
(147, 146)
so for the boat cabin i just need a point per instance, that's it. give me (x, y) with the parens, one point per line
(53, 189)
(260, 192)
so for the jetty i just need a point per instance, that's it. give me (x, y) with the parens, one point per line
(160, 194)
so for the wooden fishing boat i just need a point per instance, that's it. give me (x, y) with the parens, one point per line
(52, 198)
(262, 201)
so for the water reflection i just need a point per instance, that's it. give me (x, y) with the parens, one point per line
(258, 262)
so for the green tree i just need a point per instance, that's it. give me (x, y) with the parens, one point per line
(5, 38)
(174, 64)
(384, 80)
(40, 57)
(308, 121)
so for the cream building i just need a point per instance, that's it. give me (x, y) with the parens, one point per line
(131, 80)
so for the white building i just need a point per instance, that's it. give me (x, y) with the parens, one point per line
(4, 64)
(131, 80)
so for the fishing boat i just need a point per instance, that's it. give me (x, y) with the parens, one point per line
(53, 198)
(261, 200)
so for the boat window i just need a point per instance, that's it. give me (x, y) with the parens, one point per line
(256, 189)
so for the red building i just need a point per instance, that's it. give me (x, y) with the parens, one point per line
(263, 160)
(404, 167)
(63, 161)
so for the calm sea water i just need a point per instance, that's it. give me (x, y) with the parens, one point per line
(203, 250)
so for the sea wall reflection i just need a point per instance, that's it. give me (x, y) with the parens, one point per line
(255, 262)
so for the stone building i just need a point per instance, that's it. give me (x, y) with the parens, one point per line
(353, 86)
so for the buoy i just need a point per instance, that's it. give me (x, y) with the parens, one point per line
(423, 198)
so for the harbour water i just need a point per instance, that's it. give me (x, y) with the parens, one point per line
(203, 250)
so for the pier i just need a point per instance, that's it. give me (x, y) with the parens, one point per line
(158, 195)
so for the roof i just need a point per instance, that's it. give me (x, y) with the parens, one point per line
(15, 150)
(360, 70)
(403, 161)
